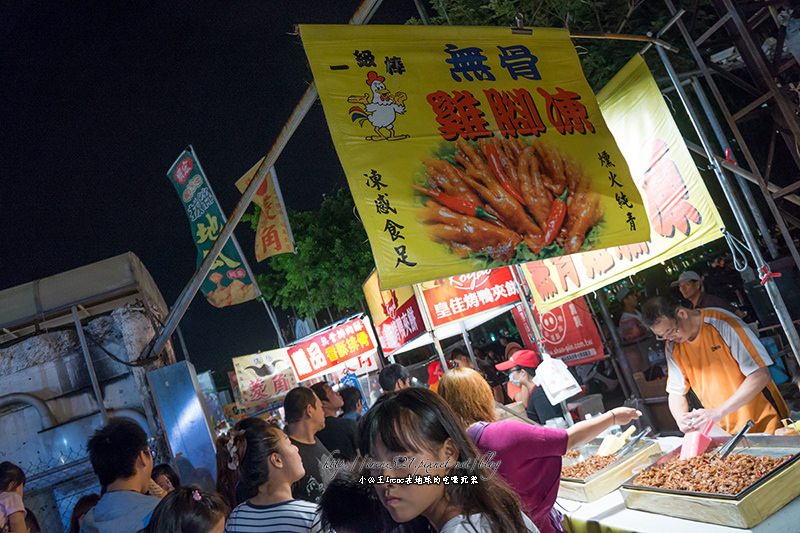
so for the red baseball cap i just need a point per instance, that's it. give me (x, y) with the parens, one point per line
(527, 358)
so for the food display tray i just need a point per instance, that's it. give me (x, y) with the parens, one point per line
(609, 478)
(745, 509)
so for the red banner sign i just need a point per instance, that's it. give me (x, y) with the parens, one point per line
(327, 350)
(570, 333)
(462, 296)
(396, 314)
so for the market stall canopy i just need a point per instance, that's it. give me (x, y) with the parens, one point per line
(95, 289)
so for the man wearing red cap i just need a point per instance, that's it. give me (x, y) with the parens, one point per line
(523, 365)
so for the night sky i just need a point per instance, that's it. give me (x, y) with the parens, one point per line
(98, 99)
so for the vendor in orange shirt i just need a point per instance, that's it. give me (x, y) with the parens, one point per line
(719, 357)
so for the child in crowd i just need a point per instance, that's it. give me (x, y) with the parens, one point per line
(415, 425)
(79, 511)
(269, 463)
(529, 456)
(166, 477)
(12, 510)
(189, 509)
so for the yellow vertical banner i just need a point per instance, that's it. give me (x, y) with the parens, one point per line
(273, 234)
(682, 214)
(470, 148)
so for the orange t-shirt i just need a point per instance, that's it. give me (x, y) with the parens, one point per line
(715, 365)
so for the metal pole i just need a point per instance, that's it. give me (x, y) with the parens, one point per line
(183, 344)
(274, 320)
(622, 359)
(516, 273)
(426, 319)
(362, 15)
(737, 133)
(739, 171)
(89, 365)
(467, 343)
(769, 283)
(723, 143)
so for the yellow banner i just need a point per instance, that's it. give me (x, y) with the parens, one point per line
(470, 148)
(681, 212)
(264, 376)
(273, 235)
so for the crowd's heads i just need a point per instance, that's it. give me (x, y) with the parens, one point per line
(84, 505)
(658, 308)
(166, 477)
(469, 395)
(352, 400)
(461, 359)
(417, 423)
(302, 402)
(260, 449)
(12, 478)
(394, 377)
(119, 450)
(345, 492)
(189, 509)
(331, 400)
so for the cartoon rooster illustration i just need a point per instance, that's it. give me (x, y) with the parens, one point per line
(380, 108)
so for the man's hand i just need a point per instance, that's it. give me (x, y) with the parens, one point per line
(697, 419)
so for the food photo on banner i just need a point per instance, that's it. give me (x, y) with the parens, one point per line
(682, 214)
(470, 148)
(228, 282)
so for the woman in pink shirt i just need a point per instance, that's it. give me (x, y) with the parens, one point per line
(529, 455)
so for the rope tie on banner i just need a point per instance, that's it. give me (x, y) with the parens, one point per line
(738, 249)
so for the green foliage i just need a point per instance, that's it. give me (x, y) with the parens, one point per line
(333, 259)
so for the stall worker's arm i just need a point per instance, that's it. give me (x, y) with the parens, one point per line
(584, 431)
(679, 407)
(752, 385)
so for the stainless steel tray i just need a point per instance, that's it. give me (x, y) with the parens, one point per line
(772, 446)
(591, 447)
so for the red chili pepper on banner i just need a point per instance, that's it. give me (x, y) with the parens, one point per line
(493, 158)
(558, 209)
(465, 207)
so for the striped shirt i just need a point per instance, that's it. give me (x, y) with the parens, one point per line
(715, 365)
(293, 516)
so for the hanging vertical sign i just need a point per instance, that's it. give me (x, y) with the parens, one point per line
(227, 282)
(273, 234)
(395, 313)
(470, 148)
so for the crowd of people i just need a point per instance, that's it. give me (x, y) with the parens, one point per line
(420, 459)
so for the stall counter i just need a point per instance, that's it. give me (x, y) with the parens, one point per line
(609, 515)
